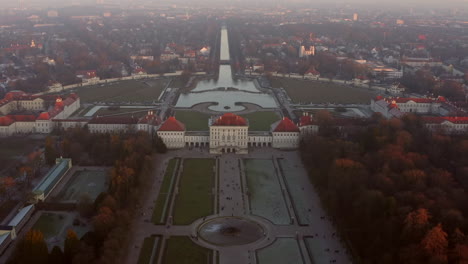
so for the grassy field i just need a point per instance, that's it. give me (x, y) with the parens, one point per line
(266, 199)
(182, 250)
(90, 183)
(283, 250)
(164, 197)
(194, 121)
(261, 121)
(302, 91)
(146, 251)
(123, 91)
(195, 199)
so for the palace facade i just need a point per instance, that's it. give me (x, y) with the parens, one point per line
(229, 133)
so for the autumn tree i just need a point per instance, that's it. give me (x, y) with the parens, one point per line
(71, 246)
(104, 221)
(50, 151)
(7, 186)
(435, 244)
(31, 249)
(56, 256)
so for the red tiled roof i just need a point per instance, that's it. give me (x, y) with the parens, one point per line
(58, 103)
(139, 70)
(87, 74)
(312, 71)
(172, 124)
(23, 118)
(151, 119)
(6, 121)
(286, 125)
(305, 120)
(44, 116)
(230, 119)
(441, 119)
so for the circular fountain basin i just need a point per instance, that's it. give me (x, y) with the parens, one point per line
(230, 231)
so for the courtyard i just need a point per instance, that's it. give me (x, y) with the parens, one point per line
(84, 182)
(54, 226)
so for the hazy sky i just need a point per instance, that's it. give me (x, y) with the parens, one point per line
(391, 3)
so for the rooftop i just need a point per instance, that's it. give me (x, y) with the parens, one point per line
(230, 119)
(52, 176)
(286, 125)
(172, 124)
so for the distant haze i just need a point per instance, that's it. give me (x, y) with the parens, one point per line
(318, 3)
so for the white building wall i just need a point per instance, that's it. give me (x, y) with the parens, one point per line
(6, 130)
(44, 126)
(285, 140)
(110, 128)
(66, 124)
(172, 139)
(229, 138)
(260, 140)
(308, 130)
(24, 127)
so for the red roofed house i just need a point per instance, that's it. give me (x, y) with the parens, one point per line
(306, 125)
(229, 133)
(88, 77)
(450, 125)
(16, 102)
(396, 107)
(312, 74)
(139, 72)
(172, 133)
(149, 123)
(286, 134)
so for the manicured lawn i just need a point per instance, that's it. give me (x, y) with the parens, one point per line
(194, 121)
(195, 199)
(261, 121)
(164, 197)
(181, 250)
(123, 91)
(148, 249)
(283, 250)
(265, 195)
(85, 182)
(306, 91)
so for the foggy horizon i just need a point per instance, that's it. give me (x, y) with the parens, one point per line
(320, 3)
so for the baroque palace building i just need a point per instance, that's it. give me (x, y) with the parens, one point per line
(229, 133)
(22, 113)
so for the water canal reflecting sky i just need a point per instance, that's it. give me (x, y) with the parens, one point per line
(247, 91)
